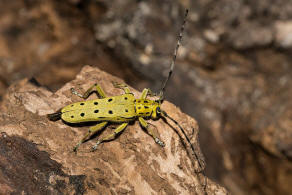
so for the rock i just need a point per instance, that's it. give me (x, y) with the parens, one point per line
(37, 157)
(250, 36)
(283, 35)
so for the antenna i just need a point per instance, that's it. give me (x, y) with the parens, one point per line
(187, 138)
(161, 94)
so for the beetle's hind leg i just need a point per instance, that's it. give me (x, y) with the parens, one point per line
(99, 91)
(122, 86)
(92, 130)
(112, 136)
(145, 125)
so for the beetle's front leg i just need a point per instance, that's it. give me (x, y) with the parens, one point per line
(112, 136)
(99, 91)
(146, 92)
(145, 125)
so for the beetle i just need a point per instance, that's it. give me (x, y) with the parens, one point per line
(120, 109)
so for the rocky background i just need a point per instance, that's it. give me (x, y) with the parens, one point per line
(233, 72)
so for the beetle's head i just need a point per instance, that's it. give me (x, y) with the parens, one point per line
(156, 110)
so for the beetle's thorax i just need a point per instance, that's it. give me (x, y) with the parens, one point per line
(146, 107)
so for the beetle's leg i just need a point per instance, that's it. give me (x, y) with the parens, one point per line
(112, 136)
(122, 86)
(146, 92)
(92, 130)
(145, 125)
(99, 91)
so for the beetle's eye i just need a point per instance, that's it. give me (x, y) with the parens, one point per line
(158, 111)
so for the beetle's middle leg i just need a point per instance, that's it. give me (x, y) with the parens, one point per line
(92, 130)
(122, 86)
(112, 136)
(150, 132)
(99, 91)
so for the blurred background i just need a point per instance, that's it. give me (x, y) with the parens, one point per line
(233, 72)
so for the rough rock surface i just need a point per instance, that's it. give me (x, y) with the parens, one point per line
(37, 157)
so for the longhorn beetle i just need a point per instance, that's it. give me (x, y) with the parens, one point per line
(118, 109)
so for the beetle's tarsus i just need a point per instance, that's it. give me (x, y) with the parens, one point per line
(76, 148)
(73, 91)
(119, 85)
(95, 146)
(158, 141)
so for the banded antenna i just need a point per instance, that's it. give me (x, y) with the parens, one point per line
(161, 93)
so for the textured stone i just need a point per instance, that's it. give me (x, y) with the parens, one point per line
(283, 35)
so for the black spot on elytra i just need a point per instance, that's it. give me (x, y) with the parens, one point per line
(146, 107)
(72, 105)
(110, 112)
(126, 98)
(145, 101)
(109, 100)
(82, 104)
(126, 110)
(147, 112)
(96, 111)
(72, 116)
(95, 103)
(139, 107)
(82, 114)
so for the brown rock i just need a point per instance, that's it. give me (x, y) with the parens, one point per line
(283, 35)
(36, 154)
